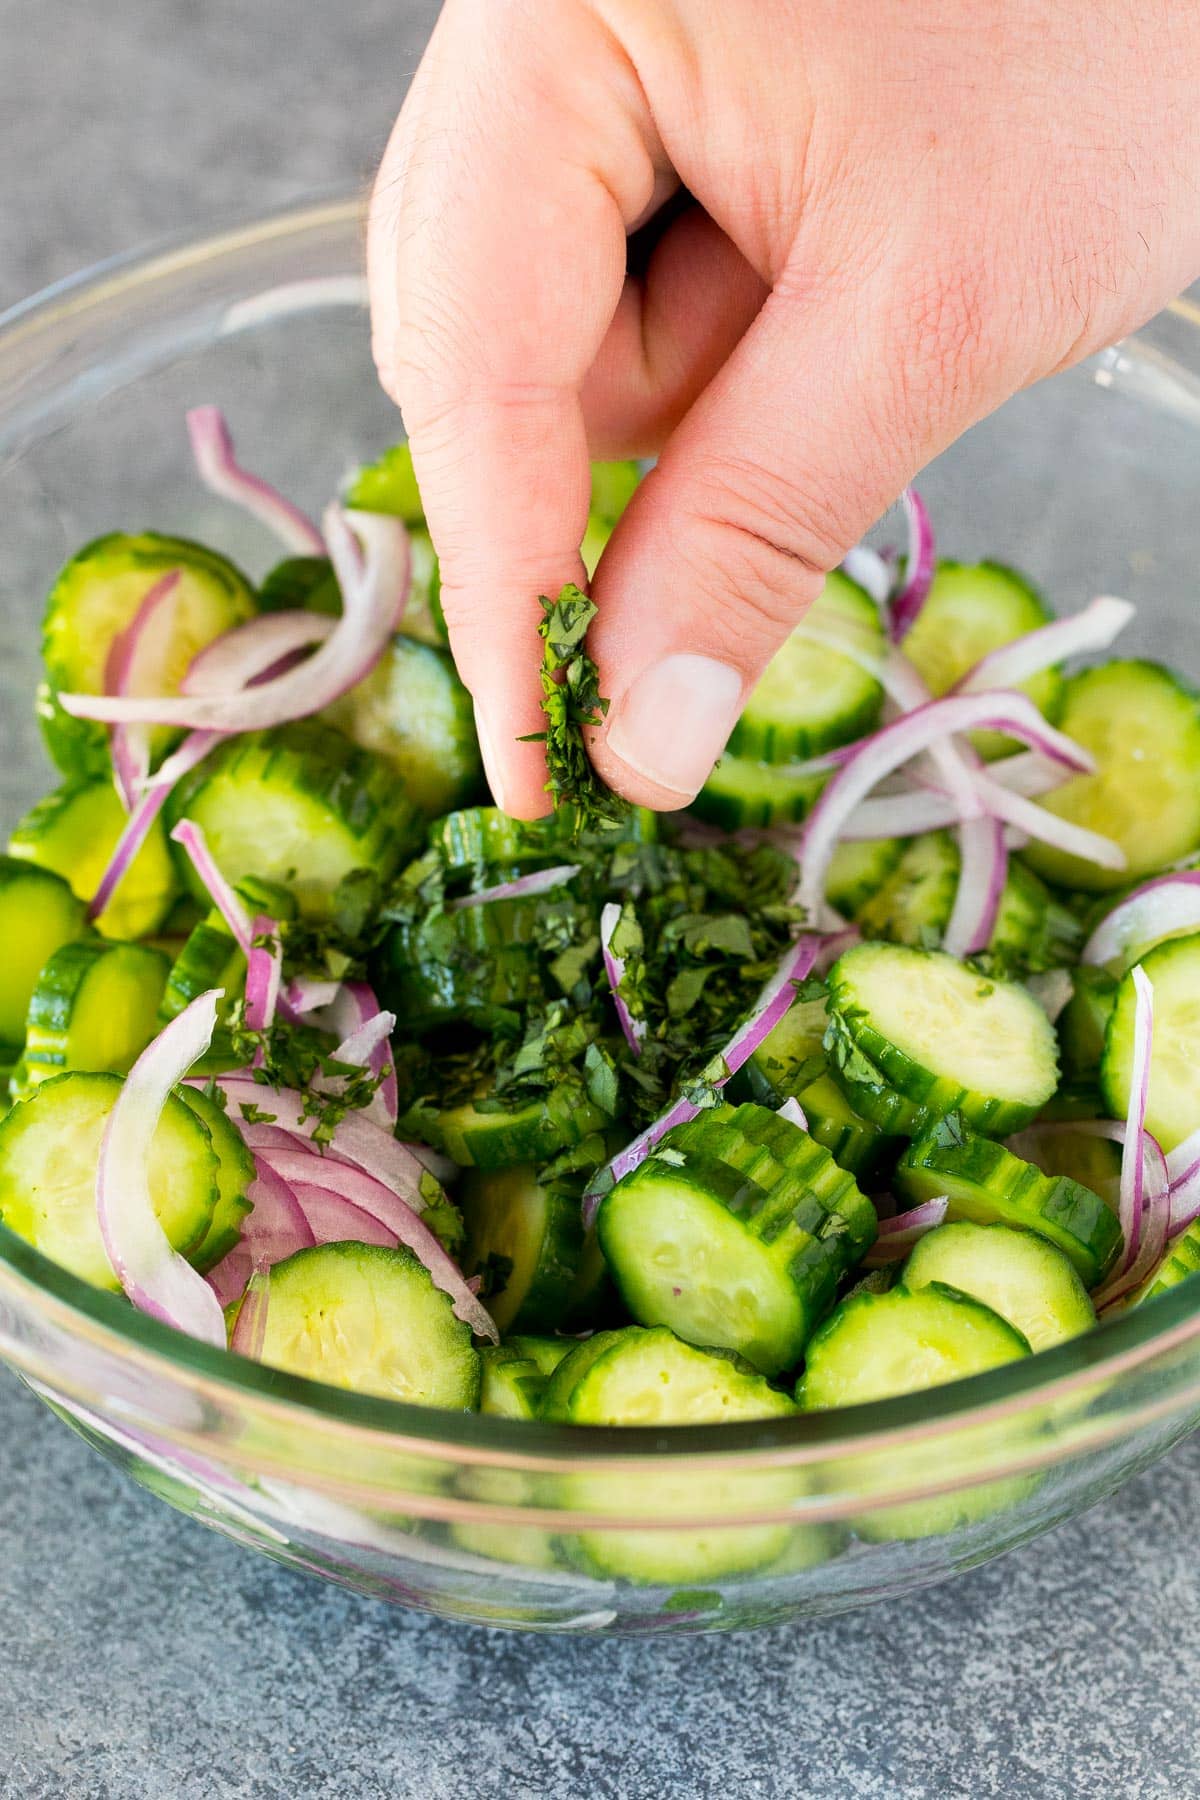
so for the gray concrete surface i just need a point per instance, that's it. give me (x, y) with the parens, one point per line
(142, 1658)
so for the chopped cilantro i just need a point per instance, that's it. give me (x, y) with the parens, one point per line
(571, 701)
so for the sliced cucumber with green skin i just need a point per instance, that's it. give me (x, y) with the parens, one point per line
(491, 845)
(790, 1064)
(74, 832)
(1142, 725)
(235, 1174)
(95, 1007)
(38, 914)
(1083, 1022)
(859, 870)
(1181, 1261)
(811, 696)
(483, 1134)
(299, 805)
(735, 1232)
(414, 712)
(513, 1385)
(650, 1378)
(640, 1376)
(613, 486)
(1093, 1162)
(301, 584)
(388, 485)
(49, 1151)
(469, 965)
(210, 958)
(529, 1237)
(901, 1342)
(972, 609)
(914, 903)
(364, 1317)
(1173, 1100)
(915, 1034)
(95, 597)
(988, 1185)
(544, 1352)
(741, 793)
(1019, 1275)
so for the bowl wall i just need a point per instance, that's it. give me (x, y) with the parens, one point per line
(1087, 483)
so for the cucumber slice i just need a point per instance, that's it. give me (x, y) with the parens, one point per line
(469, 965)
(363, 1317)
(914, 903)
(858, 870)
(1020, 1276)
(49, 1150)
(790, 1064)
(235, 1173)
(650, 1378)
(210, 958)
(735, 1232)
(485, 1134)
(637, 1376)
(1083, 1022)
(1093, 1162)
(414, 712)
(971, 609)
(299, 805)
(740, 793)
(95, 1007)
(1181, 1261)
(301, 584)
(811, 697)
(388, 485)
(529, 1238)
(1173, 1103)
(38, 914)
(987, 1184)
(513, 1385)
(1142, 725)
(916, 1034)
(74, 831)
(901, 1342)
(544, 1352)
(95, 597)
(613, 487)
(483, 838)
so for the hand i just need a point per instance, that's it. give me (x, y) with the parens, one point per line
(904, 211)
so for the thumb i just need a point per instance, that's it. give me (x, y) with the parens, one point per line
(800, 443)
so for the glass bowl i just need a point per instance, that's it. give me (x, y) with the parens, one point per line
(1088, 482)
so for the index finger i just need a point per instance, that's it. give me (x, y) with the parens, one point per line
(496, 256)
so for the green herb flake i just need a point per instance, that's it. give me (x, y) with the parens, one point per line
(572, 703)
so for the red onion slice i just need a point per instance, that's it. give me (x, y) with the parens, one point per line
(364, 1031)
(153, 1274)
(774, 1001)
(542, 881)
(1133, 1181)
(867, 569)
(137, 661)
(1093, 629)
(374, 588)
(250, 1327)
(898, 1234)
(906, 738)
(634, 1030)
(793, 1112)
(221, 892)
(332, 1219)
(264, 973)
(983, 871)
(1048, 827)
(1165, 907)
(212, 450)
(311, 994)
(906, 607)
(243, 656)
(358, 1189)
(376, 1151)
(274, 1229)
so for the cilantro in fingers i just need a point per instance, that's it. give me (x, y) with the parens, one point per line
(571, 701)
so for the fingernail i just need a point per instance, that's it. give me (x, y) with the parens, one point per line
(673, 723)
(491, 764)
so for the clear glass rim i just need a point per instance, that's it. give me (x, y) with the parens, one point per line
(1116, 1347)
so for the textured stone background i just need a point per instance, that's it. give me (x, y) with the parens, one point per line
(142, 1658)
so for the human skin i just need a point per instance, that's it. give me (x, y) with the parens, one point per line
(903, 212)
